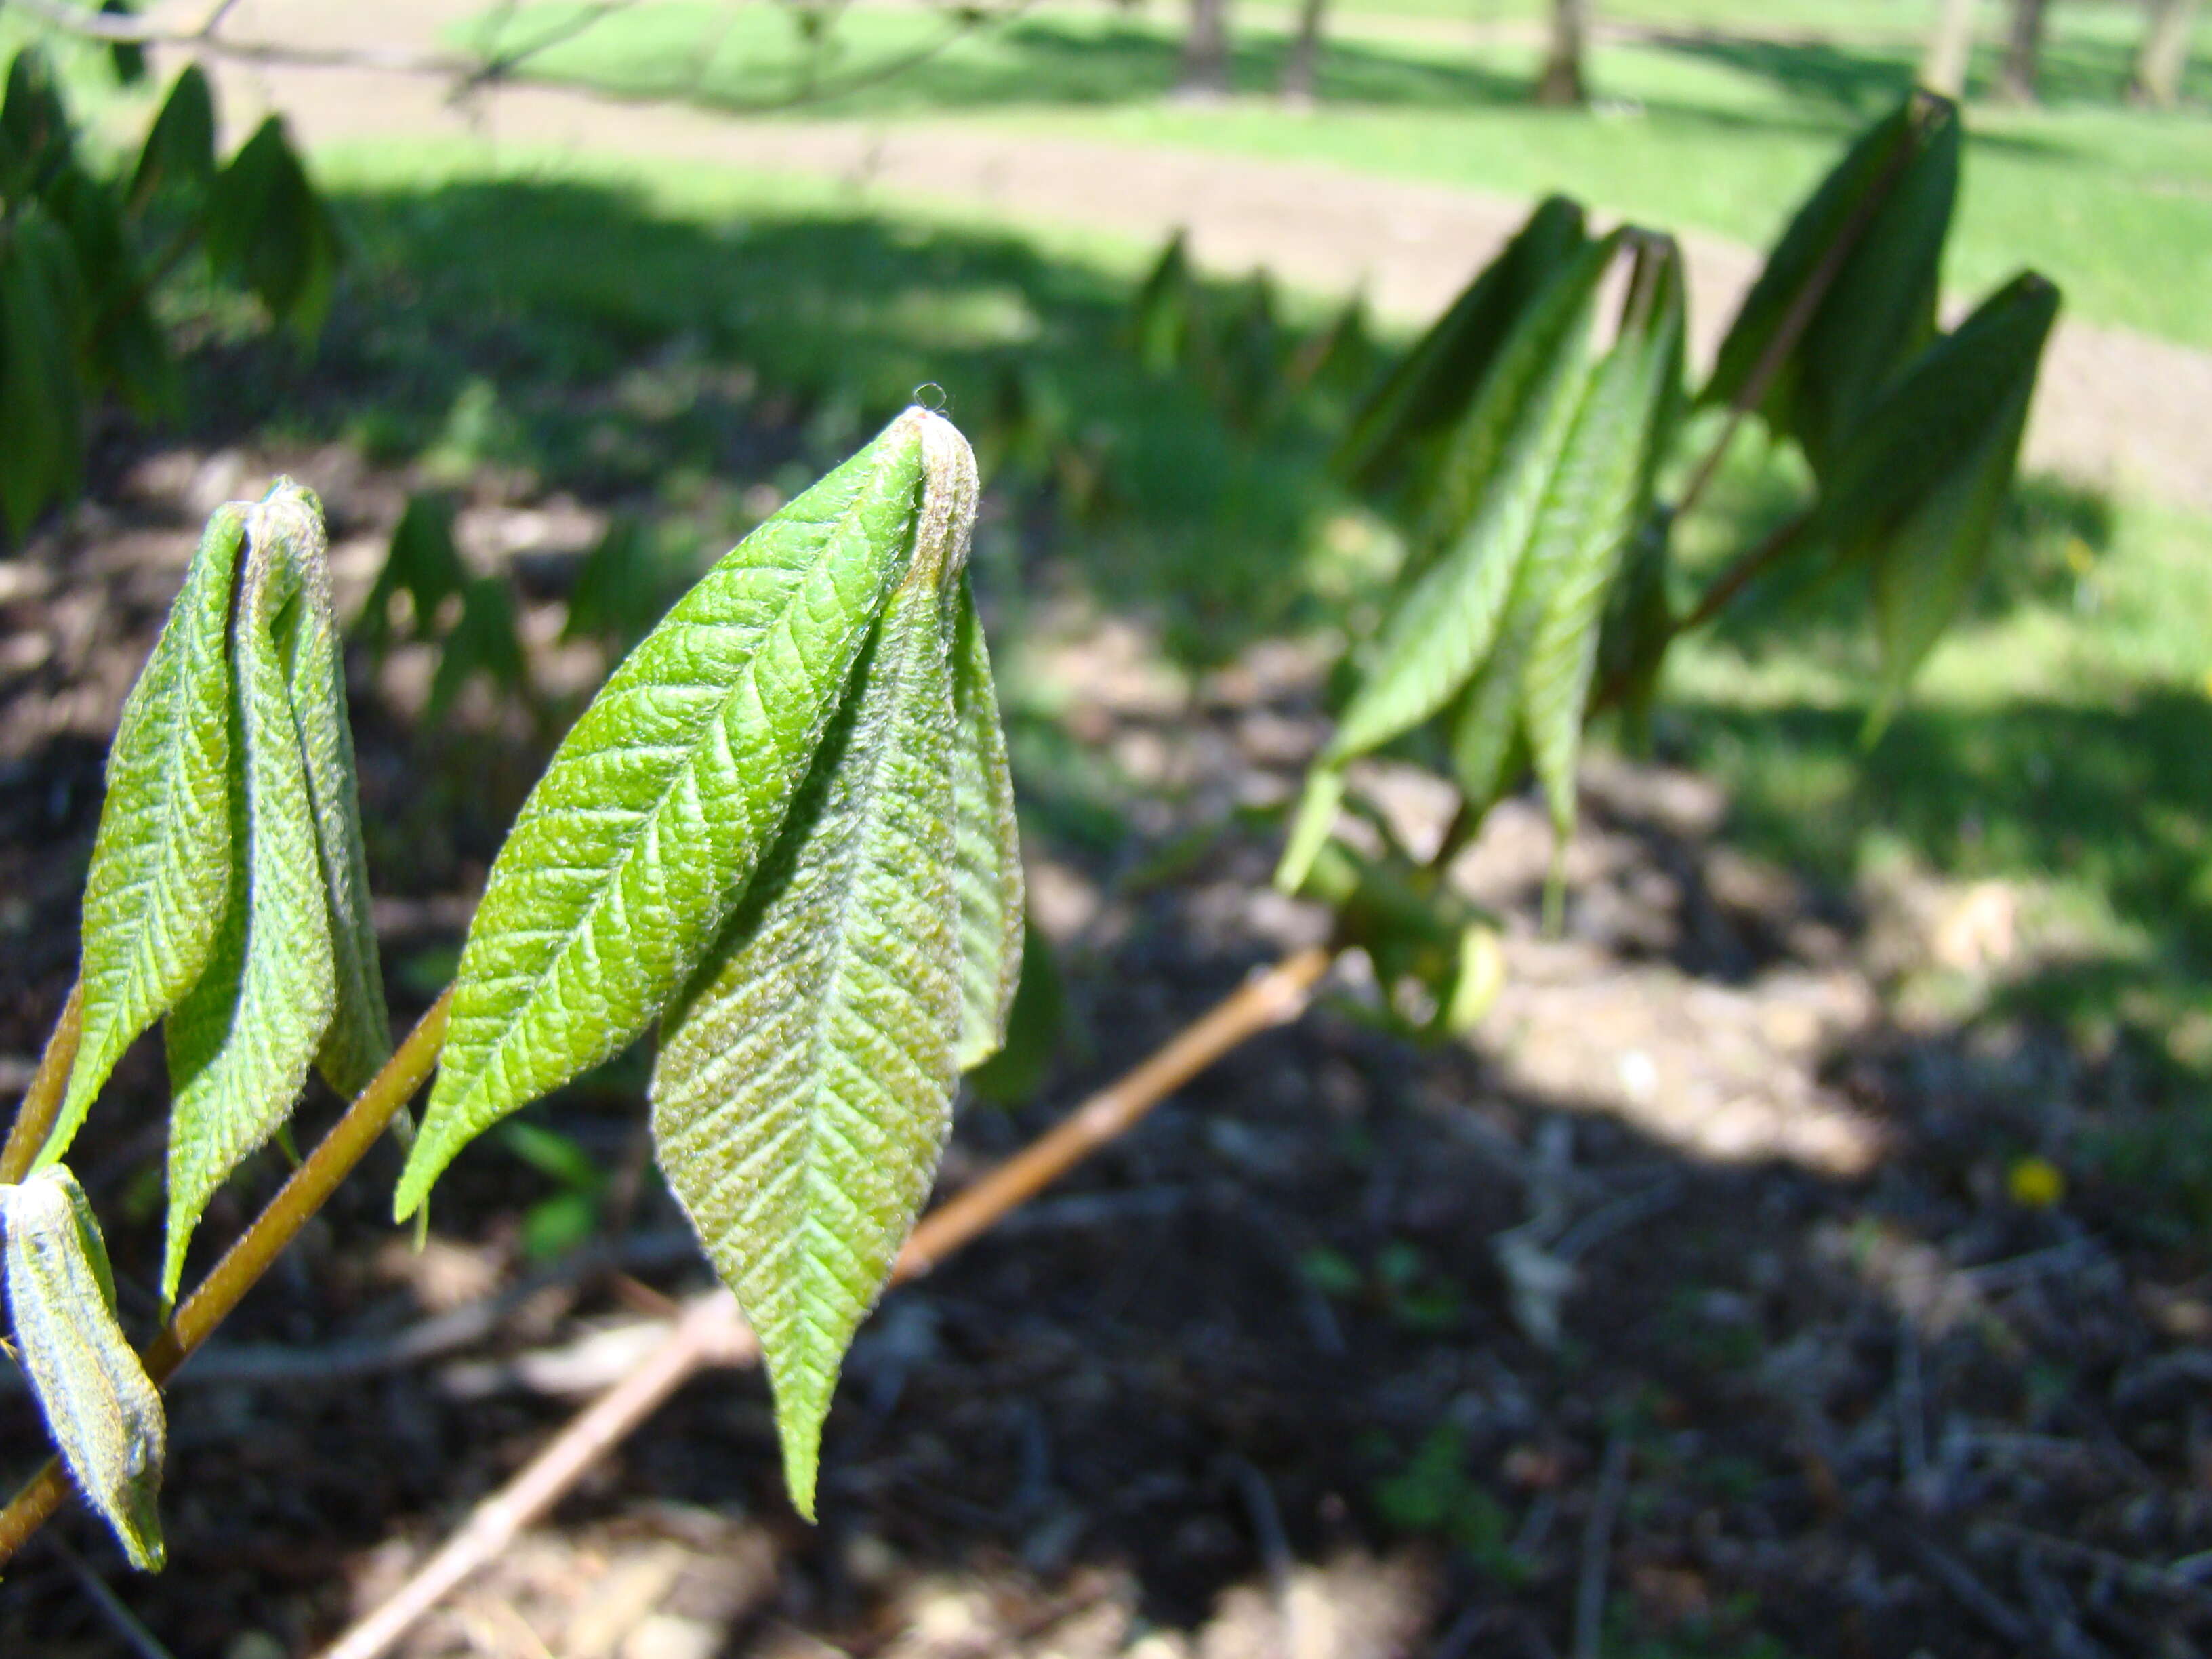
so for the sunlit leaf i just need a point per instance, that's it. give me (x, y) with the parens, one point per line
(803, 1088)
(162, 859)
(636, 845)
(242, 1039)
(102, 1410)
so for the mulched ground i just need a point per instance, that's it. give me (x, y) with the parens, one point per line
(1686, 1311)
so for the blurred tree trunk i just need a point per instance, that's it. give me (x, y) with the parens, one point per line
(1206, 50)
(2023, 51)
(2165, 54)
(1302, 70)
(1563, 85)
(1944, 69)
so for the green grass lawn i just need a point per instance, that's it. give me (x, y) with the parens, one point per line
(1707, 132)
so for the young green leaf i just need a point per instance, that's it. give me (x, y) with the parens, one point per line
(179, 148)
(102, 1410)
(1919, 493)
(359, 1039)
(637, 844)
(1311, 823)
(267, 227)
(242, 1039)
(1164, 317)
(988, 845)
(1432, 386)
(1874, 230)
(1013, 1075)
(1502, 457)
(1601, 493)
(161, 862)
(805, 1085)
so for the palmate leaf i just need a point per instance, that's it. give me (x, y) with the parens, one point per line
(653, 816)
(162, 861)
(242, 1039)
(101, 1408)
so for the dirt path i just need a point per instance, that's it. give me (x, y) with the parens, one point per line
(2118, 410)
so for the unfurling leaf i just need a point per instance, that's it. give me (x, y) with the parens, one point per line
(805, 1085)
(1499, 464)
(636, 845)
(1874, 232)
(161, 862)
(242, 1039)
(228, 889)
(987, 870)
(102, 1410)
(1395, 433)
(1918, 496)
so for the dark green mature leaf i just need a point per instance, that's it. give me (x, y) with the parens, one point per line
(124, 345)
(161, 861)
(483, 641)
(101, 1408)
(621, 588)
(42, 399)
(35, 126)
(1874, 230)
(987, 842)
(269, 228)
(1918, 494)
(1600, 493)
(805, 1085)
(1430, 388)
(1444, 624)
(179, 148)
(242, 1039)
(637, 844)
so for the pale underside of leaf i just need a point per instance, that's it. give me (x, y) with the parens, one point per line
(803, 1092)
(359, 1039)
(102, 1410)
(161, 863)
(640, 839)
(986, 846)
(1446, 623)
(242, 1041)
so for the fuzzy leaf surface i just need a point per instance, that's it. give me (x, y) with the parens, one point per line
(631, 853)
(102, 1410)
(987, 870)
(241, 1041)
(803, 1089)
(162, 859)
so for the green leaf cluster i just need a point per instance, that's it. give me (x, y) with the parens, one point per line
(478, 637)
(784, 829)
(228, 889)
(81, 254)
(1526, 501)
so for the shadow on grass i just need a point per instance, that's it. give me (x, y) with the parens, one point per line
(569, 336)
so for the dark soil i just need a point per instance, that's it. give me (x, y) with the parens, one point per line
(1689, 1309)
